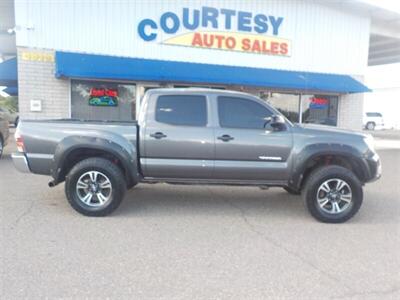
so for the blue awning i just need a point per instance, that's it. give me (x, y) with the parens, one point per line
(8, 72)
(78, 65)
(11, 90)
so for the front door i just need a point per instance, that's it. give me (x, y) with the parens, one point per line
(178, 141)
(247, 148)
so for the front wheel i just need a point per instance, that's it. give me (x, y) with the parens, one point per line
(333, 194)
(371, 126)
(95, 187)
(1, 147)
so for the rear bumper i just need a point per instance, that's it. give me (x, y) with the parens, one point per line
(20, 162)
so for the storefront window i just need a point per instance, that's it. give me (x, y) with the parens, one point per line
(287, 104)
(319, 109)
(94, 100)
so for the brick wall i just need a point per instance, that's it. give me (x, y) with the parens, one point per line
(351, 109)
(36, 80)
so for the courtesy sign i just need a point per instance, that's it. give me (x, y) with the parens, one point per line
(223, 29)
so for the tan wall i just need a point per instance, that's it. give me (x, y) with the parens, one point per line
(351, 109)
(36, 80)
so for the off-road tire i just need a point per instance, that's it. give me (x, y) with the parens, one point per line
(1, 146)
(319, 176)
(106, 167)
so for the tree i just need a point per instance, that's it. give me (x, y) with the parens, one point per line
(11, 103)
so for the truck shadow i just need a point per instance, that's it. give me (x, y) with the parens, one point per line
(163, 199)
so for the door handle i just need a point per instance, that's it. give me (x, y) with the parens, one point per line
(158, 135)
(225, 138)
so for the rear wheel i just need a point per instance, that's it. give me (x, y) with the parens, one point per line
(333, 194)
(95, 187)
(370, 125)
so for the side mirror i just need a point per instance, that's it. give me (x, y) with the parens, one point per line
(278, 123)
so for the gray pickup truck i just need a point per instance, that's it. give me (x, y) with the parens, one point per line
(200, 136)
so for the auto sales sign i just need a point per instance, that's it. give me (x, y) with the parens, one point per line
(223, 29)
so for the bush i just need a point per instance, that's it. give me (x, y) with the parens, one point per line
(11, 103)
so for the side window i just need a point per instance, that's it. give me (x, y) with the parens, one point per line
(242, 113)
(184, 110)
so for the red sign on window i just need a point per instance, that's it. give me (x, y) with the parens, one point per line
(100, 92)
(319, 103)
(103, 97)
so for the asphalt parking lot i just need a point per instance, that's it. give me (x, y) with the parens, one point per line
(196, 242)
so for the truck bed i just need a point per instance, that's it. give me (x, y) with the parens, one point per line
(44, 138)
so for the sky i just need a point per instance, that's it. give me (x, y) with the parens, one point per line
(384, 80)
(393, 5)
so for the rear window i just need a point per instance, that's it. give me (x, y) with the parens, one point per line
(182, 110)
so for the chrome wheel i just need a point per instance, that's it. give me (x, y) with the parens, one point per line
(334, 196)
(94, 189)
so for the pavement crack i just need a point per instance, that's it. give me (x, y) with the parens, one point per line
(24, 214)
(261, 234)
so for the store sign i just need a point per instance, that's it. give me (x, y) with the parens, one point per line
(223, 29)
(319, 103)
(38, 56)
(103, 97)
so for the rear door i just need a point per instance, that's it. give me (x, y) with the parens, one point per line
(247, 148)
(178, 141)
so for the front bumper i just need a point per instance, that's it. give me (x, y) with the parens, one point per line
(20, 162)
(375, 167)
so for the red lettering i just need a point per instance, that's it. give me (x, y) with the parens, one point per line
(197, 40)
(265, 48)
(112, 93)
(274, 47)
(284, 48)
(320, 101)
(94, 92)
(230, 42)
(219, 39)
(256, 46)
(246, 44)
(208, 42)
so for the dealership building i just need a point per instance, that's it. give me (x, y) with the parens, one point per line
(96, 59)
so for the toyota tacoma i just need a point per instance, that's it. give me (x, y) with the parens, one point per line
(200, 136)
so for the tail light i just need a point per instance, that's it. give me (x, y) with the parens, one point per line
(19, 141)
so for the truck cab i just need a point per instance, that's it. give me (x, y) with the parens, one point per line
(195, 134)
